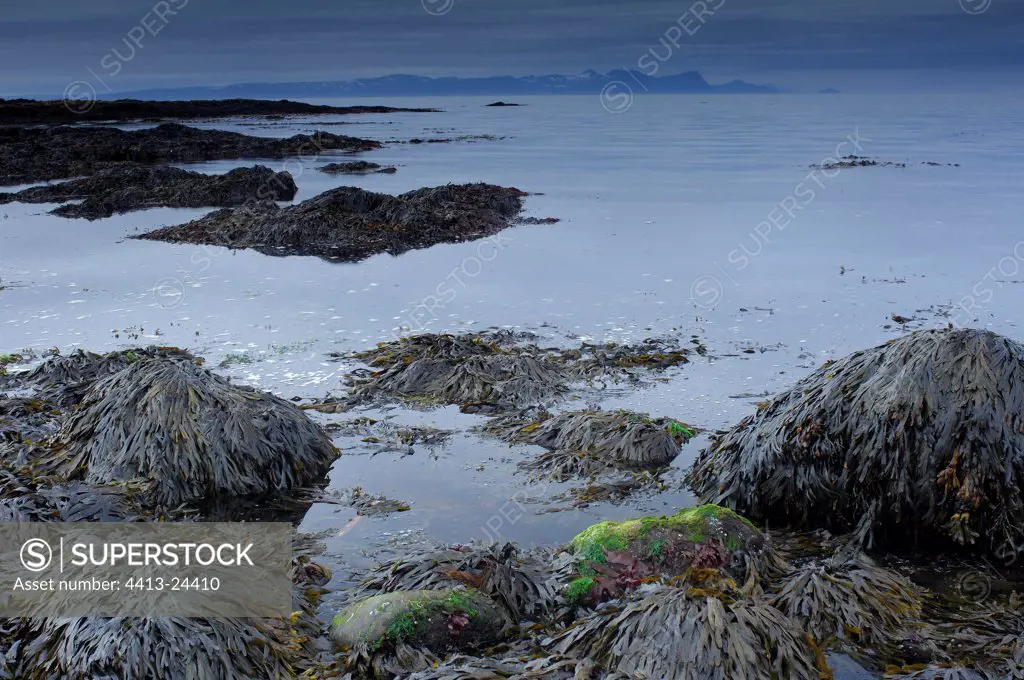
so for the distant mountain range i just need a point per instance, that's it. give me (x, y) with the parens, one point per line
(401, 85)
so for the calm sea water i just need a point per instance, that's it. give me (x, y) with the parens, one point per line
(680, 215)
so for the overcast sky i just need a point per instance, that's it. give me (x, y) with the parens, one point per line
(851, 44)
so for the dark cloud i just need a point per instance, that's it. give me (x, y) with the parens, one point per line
(49, 43)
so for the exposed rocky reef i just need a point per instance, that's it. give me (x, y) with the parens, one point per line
(699, 594)
(358, 168)
(919, 440)
(46, 153)
(865, 162)
(128, 187)
(498, 372)
(349, 224)
(56, 112)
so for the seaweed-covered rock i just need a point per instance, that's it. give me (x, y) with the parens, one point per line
(350, 224)
(851, 600)
(917, 440)
(521, 583)
(589, 442)
(64, 379)
(189, 435)
(358, 168)
(33, 154)
(438, 620)
(678, 634)
(175, 648)
(497, 371)
(613, 558)
(129, 187)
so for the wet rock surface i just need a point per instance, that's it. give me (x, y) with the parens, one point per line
(358, 168)
(613, 558)
(349, 224)
(919, 440)
(130, 187)
(33, 112)
(48, 153)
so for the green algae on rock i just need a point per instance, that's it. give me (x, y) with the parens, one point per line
(521, 583)
(438, 620)
(613, 558)
(919, 440)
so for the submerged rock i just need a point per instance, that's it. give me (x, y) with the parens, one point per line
(189, 435)
(358, 168)
(613, 558)
(45, 153)
(590, 442)
(438, 620)
(131, 187)
(350, 224)
(918, 440)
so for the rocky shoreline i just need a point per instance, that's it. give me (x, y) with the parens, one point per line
(33, 112)
(827, 527)
(710, 586)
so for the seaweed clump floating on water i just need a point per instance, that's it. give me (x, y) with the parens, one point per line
(190, 435)
(917, 440)
(348, 224)
(496, 371)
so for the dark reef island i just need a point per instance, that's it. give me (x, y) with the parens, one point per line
(890, 479)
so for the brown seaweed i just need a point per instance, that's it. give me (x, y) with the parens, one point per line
(45, 153)
(131, 187)
(190, 435)
(919, 440)
(348, 224)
